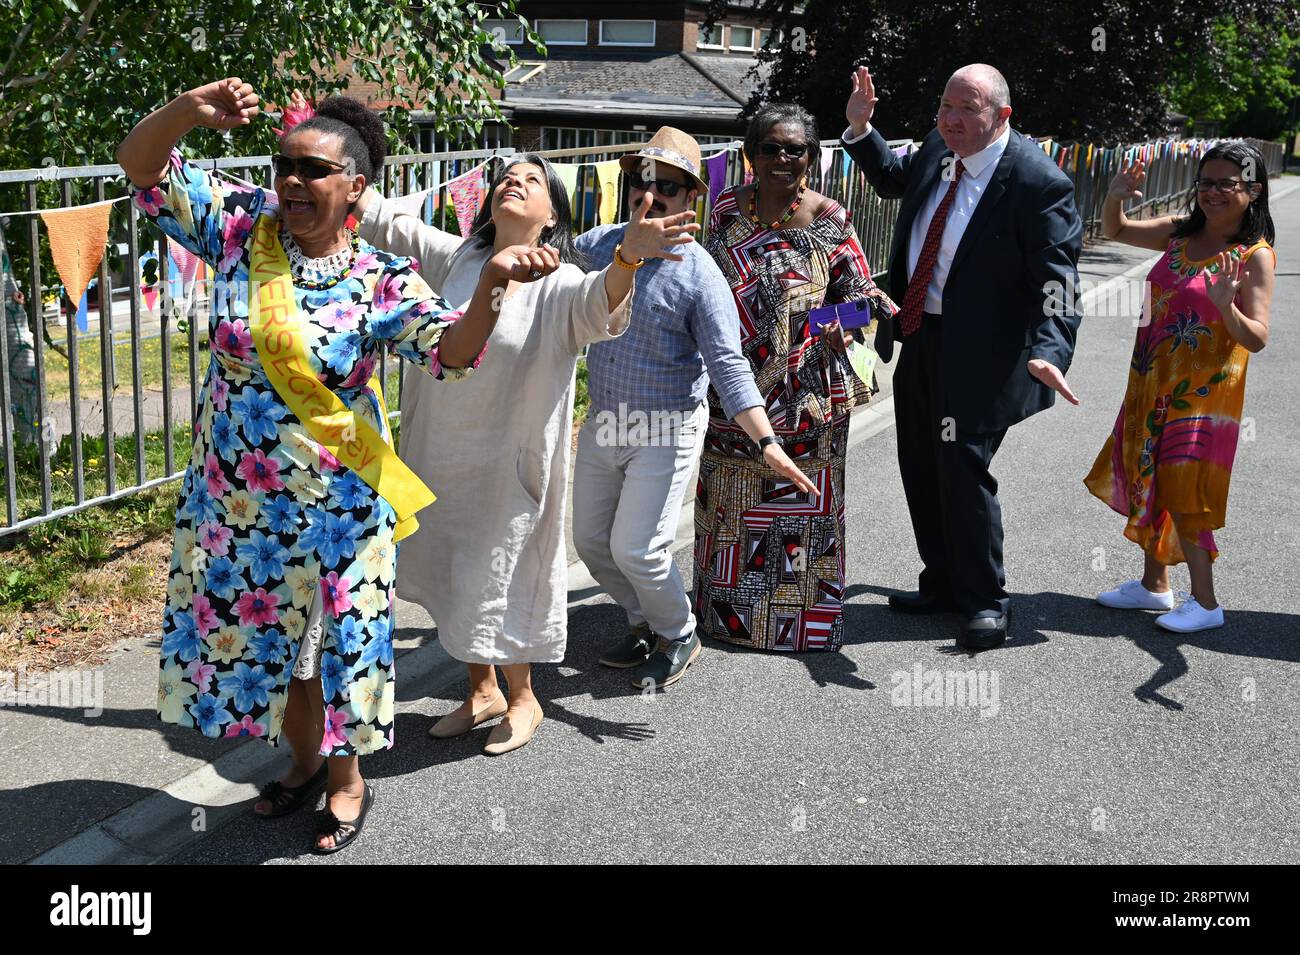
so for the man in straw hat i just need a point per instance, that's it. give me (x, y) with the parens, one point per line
(646, 423)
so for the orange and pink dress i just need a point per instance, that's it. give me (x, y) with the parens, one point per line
(1173, 444)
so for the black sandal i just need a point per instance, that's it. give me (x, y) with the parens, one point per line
(286, 799)
(344, 831)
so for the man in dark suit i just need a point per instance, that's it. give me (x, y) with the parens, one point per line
(984, 266)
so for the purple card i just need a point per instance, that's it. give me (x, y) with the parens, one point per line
(849, 314)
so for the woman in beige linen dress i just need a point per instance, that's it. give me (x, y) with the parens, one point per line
(489, 563)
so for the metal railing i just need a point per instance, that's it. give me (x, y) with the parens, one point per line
(79, 185)
(872, 216)
(1170, 171)
(131, 419)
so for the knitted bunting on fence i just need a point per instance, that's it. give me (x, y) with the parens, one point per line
(828, 157)
(411, 205)
(568, 173)
(467, 196)
(607, 175)
(715, 172)
(77, 238)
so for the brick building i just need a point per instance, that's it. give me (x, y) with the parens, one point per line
(614, 72)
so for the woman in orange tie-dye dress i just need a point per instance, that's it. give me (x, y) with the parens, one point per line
(1168, 461)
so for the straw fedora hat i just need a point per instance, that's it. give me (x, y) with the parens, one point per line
(672, 147)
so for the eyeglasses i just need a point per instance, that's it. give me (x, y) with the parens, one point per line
(308, 168)
(1218, 185)
(665, 187)
(771, 150)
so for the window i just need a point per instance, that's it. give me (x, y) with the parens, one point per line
(627, 33)
(764, 37)
(742, 38)
(563, 32)
(710, 39)
(524, 71)
(505, 31)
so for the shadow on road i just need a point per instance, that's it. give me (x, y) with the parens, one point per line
(1261, 635)
(1251, 634)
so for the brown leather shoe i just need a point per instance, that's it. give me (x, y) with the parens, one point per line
(453, 725)
(504, 738)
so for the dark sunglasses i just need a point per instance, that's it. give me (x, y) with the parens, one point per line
(308, 168)
(665, 187)
(771, 149)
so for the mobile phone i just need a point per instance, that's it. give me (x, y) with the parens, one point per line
(849, 314)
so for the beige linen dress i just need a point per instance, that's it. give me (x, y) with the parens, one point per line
(488, 561)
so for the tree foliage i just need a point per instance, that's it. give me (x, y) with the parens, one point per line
(1104, 70)
(1250, 88)
(75, 74)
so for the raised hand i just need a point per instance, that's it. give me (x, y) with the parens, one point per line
(523, 263)
(1222, 285)
(650, 238)
(1126, 182)
(1051, 376)
(224, 104)
(862, 101)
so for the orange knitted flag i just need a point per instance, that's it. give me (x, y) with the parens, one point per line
(77, 238)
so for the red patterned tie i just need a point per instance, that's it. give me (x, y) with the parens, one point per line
(914, 299)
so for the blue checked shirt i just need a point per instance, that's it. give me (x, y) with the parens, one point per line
(683, 321)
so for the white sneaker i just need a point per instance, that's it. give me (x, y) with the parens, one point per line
(1191, 617)
(1133, 596)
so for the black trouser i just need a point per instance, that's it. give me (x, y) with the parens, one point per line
(951, 495)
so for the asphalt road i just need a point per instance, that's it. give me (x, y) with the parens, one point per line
(1107, 740)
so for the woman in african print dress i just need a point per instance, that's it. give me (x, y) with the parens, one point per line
(1168, 460)
(769, 559)
(283, 561)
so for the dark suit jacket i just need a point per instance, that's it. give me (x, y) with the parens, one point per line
(1010, 294)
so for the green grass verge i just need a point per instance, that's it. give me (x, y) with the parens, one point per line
(37, 567)
(90, 373)
(94, 467)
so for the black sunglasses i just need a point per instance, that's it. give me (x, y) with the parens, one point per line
(665, 187)
(308, 168)
(793, 150)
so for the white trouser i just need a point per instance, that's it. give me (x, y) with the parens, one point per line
(627, 500)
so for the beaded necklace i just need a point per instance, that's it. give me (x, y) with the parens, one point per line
(323, 272)
(789, 213)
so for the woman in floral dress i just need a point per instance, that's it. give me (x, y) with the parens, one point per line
(283, 561)
(1168, 460)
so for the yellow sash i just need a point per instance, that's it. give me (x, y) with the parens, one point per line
(273, 321)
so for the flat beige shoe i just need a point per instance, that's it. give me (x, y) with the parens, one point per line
(505, 737)
(453, 725)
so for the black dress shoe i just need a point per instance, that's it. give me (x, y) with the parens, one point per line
(918, 601)
(633, 650)
(985, 632)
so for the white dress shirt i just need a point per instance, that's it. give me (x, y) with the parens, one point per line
(977, 172)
